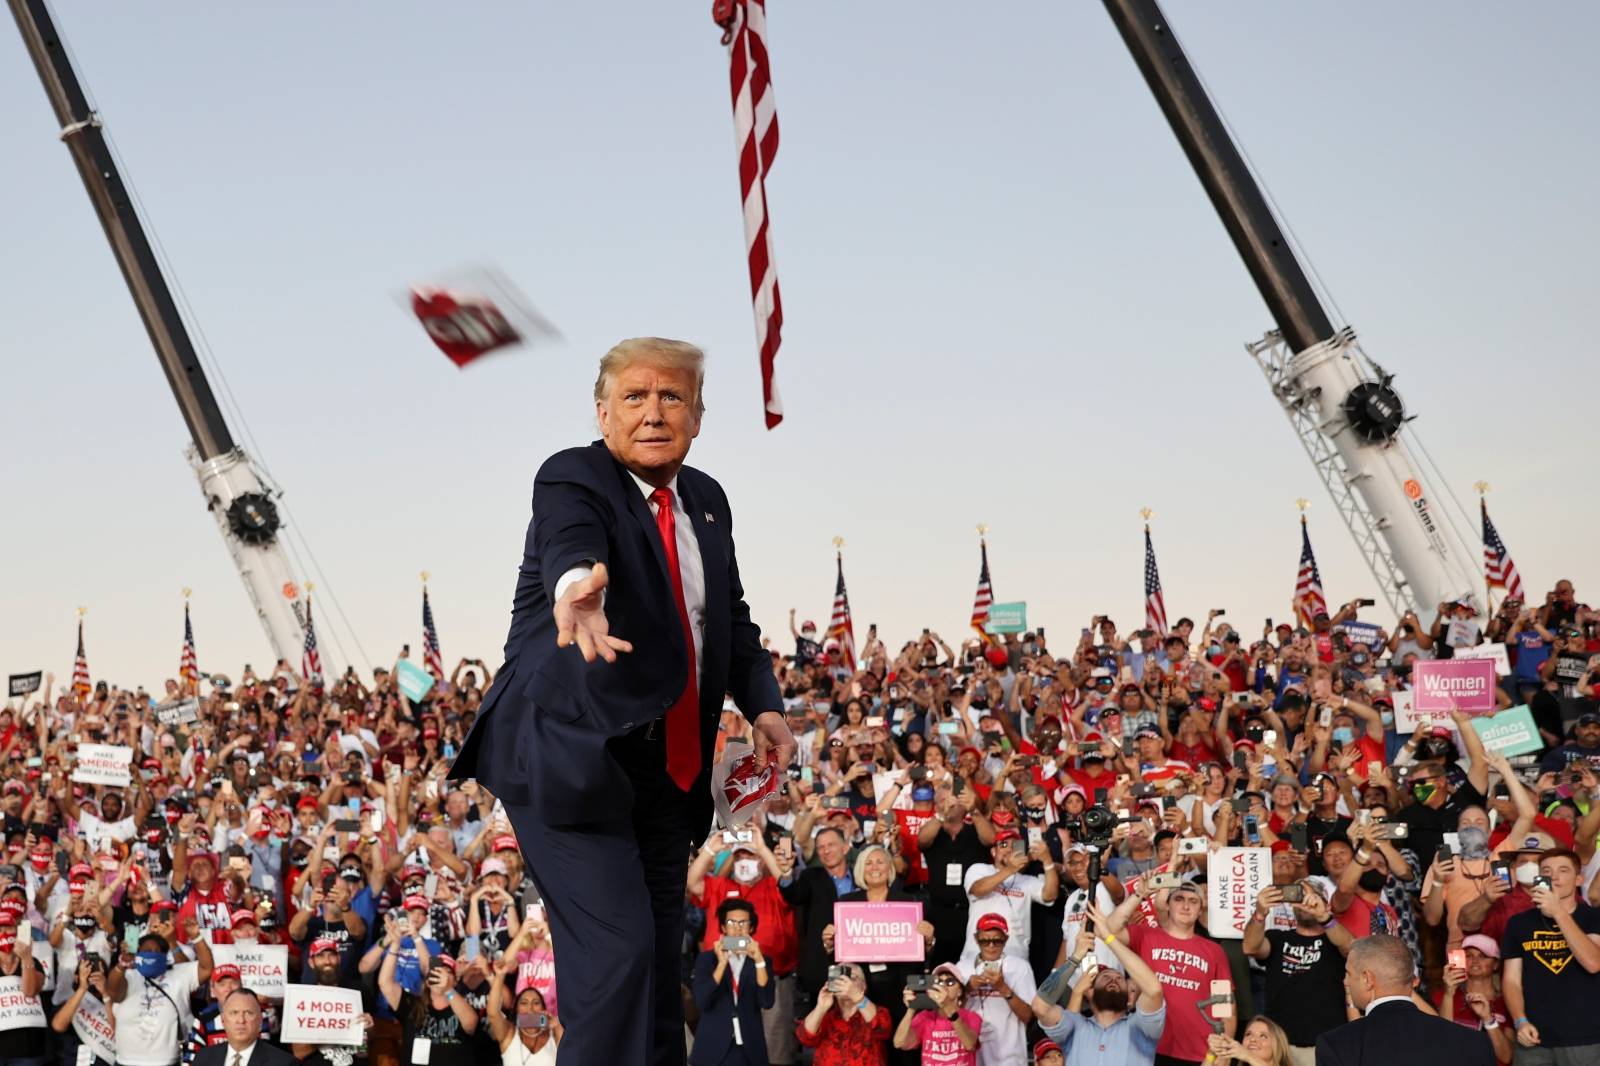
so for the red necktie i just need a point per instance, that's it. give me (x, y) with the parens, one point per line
(683, 719)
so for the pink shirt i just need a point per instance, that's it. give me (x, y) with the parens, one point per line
(940, 1044)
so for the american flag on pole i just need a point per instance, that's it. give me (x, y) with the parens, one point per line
(1308, 598)
(755, 124)
(80, 668)
(1497, 564)
(310, 658)
(431, 659)
(985, 595)
(1155, 605)
(840, 627)
(188, 670)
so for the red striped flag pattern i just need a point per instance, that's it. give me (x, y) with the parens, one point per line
(755, 124)
(431, 659)
(840, 627)
(1155, 604)
(1497, 564)
(80, 668)
(188, 669)
(1308, 598)
(985, 595)
(310, 658)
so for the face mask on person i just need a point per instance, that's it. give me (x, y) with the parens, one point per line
(150, 964)
(1424, 790)
(1388, 719)
(84, 924)
(1527, 873)
(1474, 842)
(1343, 734)
(1214, 650)
(922, 794)
(1371, 880)
(746, 870)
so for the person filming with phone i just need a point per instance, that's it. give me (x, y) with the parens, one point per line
(1110, 1033)
(732, 985)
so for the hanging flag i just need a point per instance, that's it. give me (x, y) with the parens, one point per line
(431, 659)
(840, 627)
(1497, 564)
(310, 658)
(80, 668)
(1155, 605)
(1308, 598)
(188, 671)
(473, 312)
(984, 599)
(755, 125)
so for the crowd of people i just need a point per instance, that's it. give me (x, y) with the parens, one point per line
(1053, 807)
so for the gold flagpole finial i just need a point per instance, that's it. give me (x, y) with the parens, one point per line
(187, 593)
(983, 529)
(1146, 514)
(838, 544)
(1481, 486)
(1302, 503)
(309, 586)
(82, 611)
(425, 576)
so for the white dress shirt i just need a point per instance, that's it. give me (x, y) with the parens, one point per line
(243, 1057)
(691, 569)
(1381, 1000)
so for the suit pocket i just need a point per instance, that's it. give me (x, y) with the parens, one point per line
(550, 692)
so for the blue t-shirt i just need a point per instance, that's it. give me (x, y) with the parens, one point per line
(1129, 1041)
(1532, 651)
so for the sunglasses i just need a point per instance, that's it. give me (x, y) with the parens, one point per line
(991, 940)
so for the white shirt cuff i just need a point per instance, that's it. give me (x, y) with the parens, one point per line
(577, 573)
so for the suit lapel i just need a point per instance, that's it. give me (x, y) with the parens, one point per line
(712, 562)
(640, 510)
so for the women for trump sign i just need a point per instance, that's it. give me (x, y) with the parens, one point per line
(1444, 685)
(877, 932)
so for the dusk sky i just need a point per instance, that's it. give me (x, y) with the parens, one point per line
(1007, 300)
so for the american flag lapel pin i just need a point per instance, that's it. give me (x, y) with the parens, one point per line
(710, 517)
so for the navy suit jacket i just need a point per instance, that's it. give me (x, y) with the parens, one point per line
(713, 1037)
(1396, 1033)
(540, 736)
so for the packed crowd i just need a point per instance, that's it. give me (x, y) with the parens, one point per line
(1053, 812)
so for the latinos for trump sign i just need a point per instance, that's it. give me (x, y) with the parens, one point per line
(103, 764)
(877, 932)
(319, 1014)
(1007, 618)
(1234, 876)
(1446, 684)
(1510, 732)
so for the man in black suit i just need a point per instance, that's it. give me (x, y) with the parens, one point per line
(732, 988)
(241, 1020)
(628, 627)
(1378, 975)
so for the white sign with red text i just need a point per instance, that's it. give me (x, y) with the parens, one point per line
(1233, 878)
(103, 764)
(92, 1023)
(18, 1011)
(322, 1014)
(263, 968)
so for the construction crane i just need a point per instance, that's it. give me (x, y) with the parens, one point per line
(1342, 404)
(235, 490)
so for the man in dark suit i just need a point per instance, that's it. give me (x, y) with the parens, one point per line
(1378, 975)
(731, 989)
(628, 627)
(241, 1020)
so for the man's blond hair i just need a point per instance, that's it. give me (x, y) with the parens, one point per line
(656, 351)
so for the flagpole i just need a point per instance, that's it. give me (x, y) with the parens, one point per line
(190, 686)
(1297, 609)
(1488, 586)
(983, 552)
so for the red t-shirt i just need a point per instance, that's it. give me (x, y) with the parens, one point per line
(909, 823)
(1105, 779)
(1194, 754)
(210, 909)
(1185, 969)
(774, 918)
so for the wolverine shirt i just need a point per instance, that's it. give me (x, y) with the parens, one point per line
(1560, 994)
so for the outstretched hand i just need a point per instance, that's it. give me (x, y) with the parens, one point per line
(581, 618)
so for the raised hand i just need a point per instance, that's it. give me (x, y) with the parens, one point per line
(581, 618)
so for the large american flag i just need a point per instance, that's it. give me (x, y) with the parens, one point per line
(985, 595)
(188, 670)
(1497, 564)
(431, 659)
(755, 124)
(310, 658)
(1308, 598)
(840, 627)
(80, 668)
(1155, 605)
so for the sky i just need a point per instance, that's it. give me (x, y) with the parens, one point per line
(1006, 299)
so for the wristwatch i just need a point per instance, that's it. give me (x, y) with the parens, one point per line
(1491, 1022)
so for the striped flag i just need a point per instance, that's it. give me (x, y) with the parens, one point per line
(755, 124)
(1155, 604)
(188, 670)
(310, 658)
(1497, 564)
(840, 627)
(431, 659)
(80, 668)
(984, 598)
(1308, 598)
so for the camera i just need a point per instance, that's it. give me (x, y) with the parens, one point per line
(1094, 826)
(735, 943)
(1294, 892)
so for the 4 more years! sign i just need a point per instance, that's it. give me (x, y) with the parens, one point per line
(322, 1014)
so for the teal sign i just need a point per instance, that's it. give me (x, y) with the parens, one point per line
(1007, 618)
(1509, 732)
(414, 680)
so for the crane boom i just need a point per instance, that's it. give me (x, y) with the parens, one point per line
(234, 492)
(1340, 403)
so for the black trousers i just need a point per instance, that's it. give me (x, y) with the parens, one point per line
(614, 894)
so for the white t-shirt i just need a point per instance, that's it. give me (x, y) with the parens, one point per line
(149, 1024)
(1076, 917)
(1003, 1040)
(1012, 900)
(95, 830)
(72, 947)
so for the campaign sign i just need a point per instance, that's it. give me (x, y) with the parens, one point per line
(1444, 684)
(178, 712)
(1234, 876)
(877, 932)
(18, 1011)
(414, 681)
(1495, 652)
(1361, 633)
(23, 684)
(1509, 732)
(320, 1014)
(103, 764)
(263, 968)
(92, 1023)
(1007, 618)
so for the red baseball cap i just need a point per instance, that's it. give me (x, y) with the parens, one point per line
(416, 903)
(1044, 1047)
(994, 921)
(504, 842)
(161, 906)
(240, 917)
(307, 803)
(447, 961)
(224, 971)
(321, 944)
(1006, 834)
